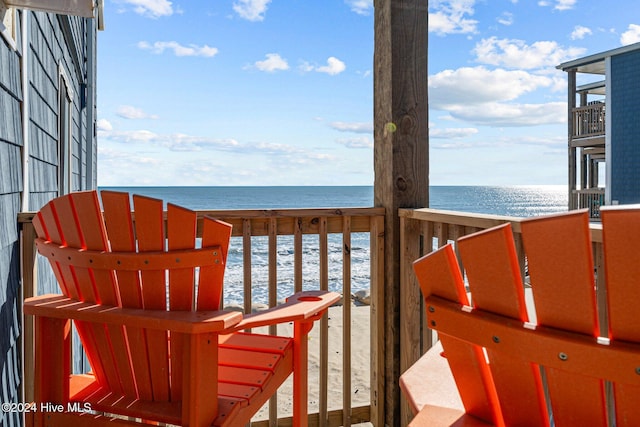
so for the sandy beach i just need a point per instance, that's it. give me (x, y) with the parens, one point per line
(360, 362)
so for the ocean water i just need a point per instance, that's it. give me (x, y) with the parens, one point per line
(522, 201)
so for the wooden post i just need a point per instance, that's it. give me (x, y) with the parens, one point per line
(401, 155)
(571, 104)
(411, 308)
(29, 289)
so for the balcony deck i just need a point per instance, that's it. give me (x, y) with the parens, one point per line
(589, 122)
(422, 230)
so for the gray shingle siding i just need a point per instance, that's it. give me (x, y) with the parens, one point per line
(10, 169)
(625, 132)
(10, 188)
(53, 42)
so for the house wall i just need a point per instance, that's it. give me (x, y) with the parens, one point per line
(10, 190)
(55, 42)
(624, 108)
(55, 45)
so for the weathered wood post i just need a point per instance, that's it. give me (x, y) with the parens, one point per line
(574, 201)
(401, 161)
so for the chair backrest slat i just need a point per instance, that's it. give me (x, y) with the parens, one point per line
(70, 229)
(496, 286)
(119, 225)
(48, 222)
(181, 234)
(214, 233)
(150, 236)
(466, 360)
(139, 363)
(621, 237)
(58, 222)
(94, 236)
(560, 264)
(121, 236)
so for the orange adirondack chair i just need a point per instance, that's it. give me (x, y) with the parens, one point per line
(554, 369)
(145, 303)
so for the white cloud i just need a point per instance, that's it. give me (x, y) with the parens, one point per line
(334, 66)
(450, 133)
(306, 67)
(511, 115)
(558, 4)
(251, 10)
(134, 158)
(632, 35)
(274, 62)
(479, 85)
(133, 136)
(565, 4)
(184, 143)
(178, 49)
(505, 19)
(356, 127)
(361, 7)
(104, 124)
(119, 168)
(133, 113)
(151, 8)
(358, 142)
(517, 54)
(489, 98)
(451, 17)
(579, 32)
(173, 142)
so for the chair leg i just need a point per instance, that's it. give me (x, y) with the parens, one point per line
(200, 382)
(300, 373)
(52, 364)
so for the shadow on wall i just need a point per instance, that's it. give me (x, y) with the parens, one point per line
(10, 327)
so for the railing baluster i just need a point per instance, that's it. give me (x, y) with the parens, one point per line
(377, 329)
(246, 263)
(346, 321)
(273, 300)
(324, 324)
(428, 234)
(297, 255)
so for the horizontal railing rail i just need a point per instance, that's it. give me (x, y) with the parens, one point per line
(317, 246)
(424, 230)
(589, 120)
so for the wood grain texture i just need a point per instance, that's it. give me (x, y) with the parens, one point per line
(401, 151)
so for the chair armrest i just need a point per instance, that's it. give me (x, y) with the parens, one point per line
(189, 322)
(301, 306)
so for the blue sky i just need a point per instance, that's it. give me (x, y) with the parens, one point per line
(280, 92)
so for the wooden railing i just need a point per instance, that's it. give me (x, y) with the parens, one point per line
(324, 225)
(422, 231)
(589, 120)
(591, 199)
